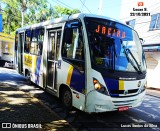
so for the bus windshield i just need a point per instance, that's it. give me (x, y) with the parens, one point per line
(114, 46)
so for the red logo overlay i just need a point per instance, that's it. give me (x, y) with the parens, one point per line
(140, 3)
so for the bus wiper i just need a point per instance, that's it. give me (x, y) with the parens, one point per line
(128, 51)
(138, 67)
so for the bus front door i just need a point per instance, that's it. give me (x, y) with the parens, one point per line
(53, 47)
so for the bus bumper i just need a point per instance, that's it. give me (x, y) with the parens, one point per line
(97, 102)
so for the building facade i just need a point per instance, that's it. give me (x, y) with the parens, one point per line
(144, 17)
(6, 50)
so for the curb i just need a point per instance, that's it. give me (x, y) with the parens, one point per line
(153, 92)
(152, 88)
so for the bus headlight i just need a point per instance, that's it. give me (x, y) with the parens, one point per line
(99, 87)
(143, 88)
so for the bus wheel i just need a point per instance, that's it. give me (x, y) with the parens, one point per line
(67, 98)
(28, 76)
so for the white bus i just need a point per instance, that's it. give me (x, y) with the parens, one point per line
(90, 62)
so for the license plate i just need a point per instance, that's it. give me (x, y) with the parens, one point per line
(123, 108)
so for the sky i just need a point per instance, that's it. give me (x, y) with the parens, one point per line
(110, 8)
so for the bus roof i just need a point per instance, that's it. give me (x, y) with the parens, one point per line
(66, 18)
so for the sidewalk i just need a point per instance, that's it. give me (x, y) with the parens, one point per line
(153, 92)
(20, 108)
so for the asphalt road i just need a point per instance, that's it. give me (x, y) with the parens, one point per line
(145, 117)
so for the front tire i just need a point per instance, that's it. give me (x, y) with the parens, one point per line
(66, 98)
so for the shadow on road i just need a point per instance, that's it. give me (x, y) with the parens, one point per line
(17, 106)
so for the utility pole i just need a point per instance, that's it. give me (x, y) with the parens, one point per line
(22, 23)
(23, 9)
(100, 7)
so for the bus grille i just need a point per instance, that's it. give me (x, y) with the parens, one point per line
(123, 103)
(121, 92)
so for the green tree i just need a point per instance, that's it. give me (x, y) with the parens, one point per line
(61, 11)
(11, 16)
(26, 12)
(17, 13)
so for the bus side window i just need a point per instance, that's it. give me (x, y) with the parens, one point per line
(74, 51)
(80, 49)
(40, 41)
(27, 43)
(36, 45)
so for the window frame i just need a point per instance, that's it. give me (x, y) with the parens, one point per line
(37, 42)
(27, 41)
(69, 60)
(153, 24)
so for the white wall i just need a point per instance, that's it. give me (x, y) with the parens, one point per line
(142, 22)
(150, 37)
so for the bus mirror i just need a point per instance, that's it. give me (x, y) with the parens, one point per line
(141, 40)
(68, 35)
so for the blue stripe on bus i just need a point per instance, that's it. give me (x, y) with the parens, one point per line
(78, 81)
(37, 72)
(112, 84)
(38, 65)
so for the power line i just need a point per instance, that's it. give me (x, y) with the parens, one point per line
(152, 35)
(146, 21)
(82, 5)
(144, 24)
(113, 5)
(156, 36)
(58, 3)
(85, 6)
(65, 4)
